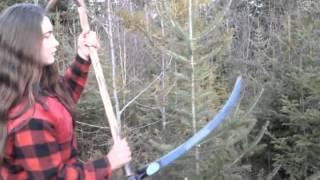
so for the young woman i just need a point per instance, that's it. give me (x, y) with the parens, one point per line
(37, 105)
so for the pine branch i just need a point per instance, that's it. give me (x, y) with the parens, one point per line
(173, 54)
(315, 176)
(158, 44)
(141, 92)
(174, 24)
(256, 141)
(211, 54)
(91, 125)
(254, 104)
(271, 175)
(211, 27)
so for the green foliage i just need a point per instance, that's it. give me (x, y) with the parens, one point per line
(298, 143)
(225, 149)
(293, 108)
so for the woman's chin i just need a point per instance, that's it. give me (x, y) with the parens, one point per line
(49, 62)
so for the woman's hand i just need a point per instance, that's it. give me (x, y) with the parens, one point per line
(87, 40)
(119, 154)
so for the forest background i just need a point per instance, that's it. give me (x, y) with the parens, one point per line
(170, 65)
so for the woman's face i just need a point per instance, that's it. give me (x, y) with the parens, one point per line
(49, 42)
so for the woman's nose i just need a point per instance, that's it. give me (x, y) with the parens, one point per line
(56, 42)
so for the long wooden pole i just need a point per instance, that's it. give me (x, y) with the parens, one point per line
(115, 130)
(99, 76)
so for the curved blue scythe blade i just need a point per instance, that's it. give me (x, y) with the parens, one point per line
(167, 159)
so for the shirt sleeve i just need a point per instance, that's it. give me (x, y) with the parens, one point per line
(75, 77)
(37, 150)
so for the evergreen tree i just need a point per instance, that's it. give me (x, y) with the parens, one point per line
(291, 102)
(195, 88)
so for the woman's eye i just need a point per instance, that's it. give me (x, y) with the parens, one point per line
(48, 35)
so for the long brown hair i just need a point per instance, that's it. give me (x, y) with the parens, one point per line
(22, 75)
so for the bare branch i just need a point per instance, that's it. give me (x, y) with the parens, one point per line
(141, 92)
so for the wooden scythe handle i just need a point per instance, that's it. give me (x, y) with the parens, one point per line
(99, 75)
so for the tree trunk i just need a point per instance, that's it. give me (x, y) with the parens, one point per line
(162, 91)
(113, 60)
(193, 99)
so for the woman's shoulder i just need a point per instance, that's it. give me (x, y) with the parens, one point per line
(51, 113)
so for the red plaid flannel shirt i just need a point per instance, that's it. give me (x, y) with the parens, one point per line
(41, 143)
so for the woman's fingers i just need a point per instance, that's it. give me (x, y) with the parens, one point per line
(119, 154)
(91, 39)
